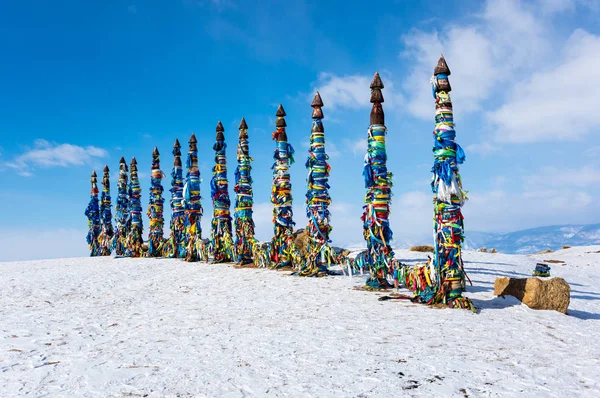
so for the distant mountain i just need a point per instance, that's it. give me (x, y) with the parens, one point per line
(535, 240)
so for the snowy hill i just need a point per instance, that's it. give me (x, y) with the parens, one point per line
(90, 327)
(536, 239)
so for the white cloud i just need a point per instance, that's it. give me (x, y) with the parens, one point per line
(17, 244)
(509, 60)
(563, 177)
(503, 39)
(332, 149)
(555, 103)
(410, 218)
(500, 210)
(353, 92)
(553, 6)
(263, 220)
(219, 5)
(344, 91)
(47, 154)
(483, 148)
(357, 146)
(592, 152)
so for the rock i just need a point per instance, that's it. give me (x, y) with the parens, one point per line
(537, 294)
(341, 251)
(301, 241)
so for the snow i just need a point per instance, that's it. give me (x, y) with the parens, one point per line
(106, 327)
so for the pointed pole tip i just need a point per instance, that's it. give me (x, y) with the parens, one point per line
(280, 111)
(243, 125)
(441, 67)
(376, 83)
(317, 101)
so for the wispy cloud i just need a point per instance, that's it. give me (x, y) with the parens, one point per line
(48, 154)
(563, 177)
(219, 5)
(356, 146)
(352, 91)
(344, 91)
(511, 57)
(15, 244)
(502, 39)
(557, 102)
(332, 149)
(483, 148)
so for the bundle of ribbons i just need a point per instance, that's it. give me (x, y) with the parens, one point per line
(282, 244)
(542, 270)
(319, 253)
(105, 239)
(378, 183)
(93, 215)
(221, 238)
(174, 247)
(155, 208)
(135, 239)
(442, 280)
(261, 253)
(122, 211)
(244, 224)
(193, 208)
(360, 262)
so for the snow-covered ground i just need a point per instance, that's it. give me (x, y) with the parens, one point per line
(100, 327)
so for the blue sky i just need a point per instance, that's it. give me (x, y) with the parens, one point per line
(84, 83)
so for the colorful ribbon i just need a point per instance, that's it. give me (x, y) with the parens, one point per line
(542, 270)
(175, 247)
(282, 249)
(135, 239)
(442, 280)
(93, 214)
(244, 224)
(105, 239)
(122, 211)
(195, 247)
(378, 182)
(319, 253)
(155, 209)
(221, 239)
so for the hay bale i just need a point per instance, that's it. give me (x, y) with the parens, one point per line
(422, 249)
(537, 294)
(493, 251)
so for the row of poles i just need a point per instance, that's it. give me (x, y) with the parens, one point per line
(440, 281)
